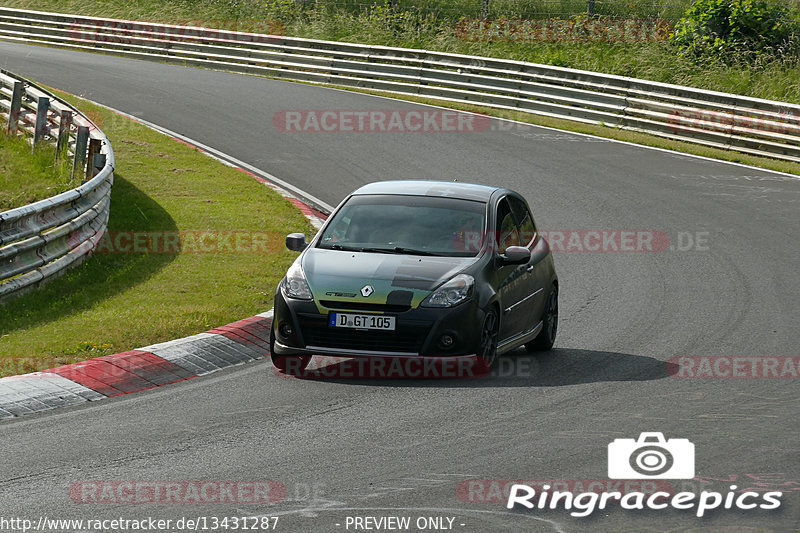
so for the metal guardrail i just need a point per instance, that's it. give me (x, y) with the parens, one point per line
(40, 240)
(750, 125)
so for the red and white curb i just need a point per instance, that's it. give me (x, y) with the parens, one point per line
(137, 370)
(153, 366)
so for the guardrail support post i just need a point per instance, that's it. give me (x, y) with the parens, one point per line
(98, 162)
(42, 107)
(94, 149)
(80, 150)
(485, 9)
(591, 8)
(16, 108)
(64, 125)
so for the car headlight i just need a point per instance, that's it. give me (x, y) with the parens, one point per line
(451, 293)
(294, 285)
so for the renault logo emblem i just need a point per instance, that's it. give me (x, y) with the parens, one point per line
(366, 290)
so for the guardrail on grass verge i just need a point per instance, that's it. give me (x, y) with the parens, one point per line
(40, 240)
(720, 120)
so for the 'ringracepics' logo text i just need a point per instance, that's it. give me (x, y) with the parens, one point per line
(648, 457)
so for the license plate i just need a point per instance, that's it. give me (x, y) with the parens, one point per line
(351, 320)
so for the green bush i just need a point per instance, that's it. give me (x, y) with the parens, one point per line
(736, 31)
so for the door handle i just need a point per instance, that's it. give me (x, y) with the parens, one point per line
(530, 268)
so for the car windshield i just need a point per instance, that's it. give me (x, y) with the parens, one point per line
(414, 225)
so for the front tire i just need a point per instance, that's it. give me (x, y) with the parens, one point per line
(547, 337)
(291, 365)
(487, 351)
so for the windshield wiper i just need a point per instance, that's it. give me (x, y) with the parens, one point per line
(397, 250)
(340, 247)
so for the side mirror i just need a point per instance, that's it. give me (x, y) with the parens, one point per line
(296, 242)
(515, 255)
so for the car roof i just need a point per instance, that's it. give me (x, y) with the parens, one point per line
(450, 189)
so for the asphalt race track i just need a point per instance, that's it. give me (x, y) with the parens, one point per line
(385, 447)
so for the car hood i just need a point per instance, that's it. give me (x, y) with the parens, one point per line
(395, 279)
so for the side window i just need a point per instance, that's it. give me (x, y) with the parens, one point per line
(506, 230)
(527, 228)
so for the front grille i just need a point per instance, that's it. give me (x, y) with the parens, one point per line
(358, 306)
(406, 338)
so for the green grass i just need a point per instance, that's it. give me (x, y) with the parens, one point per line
(28, 175)
(431, 24)
(120, 301)
(447, 10)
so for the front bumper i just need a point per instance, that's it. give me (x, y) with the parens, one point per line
(418, 332)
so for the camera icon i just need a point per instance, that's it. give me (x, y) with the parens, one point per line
(651, 457)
